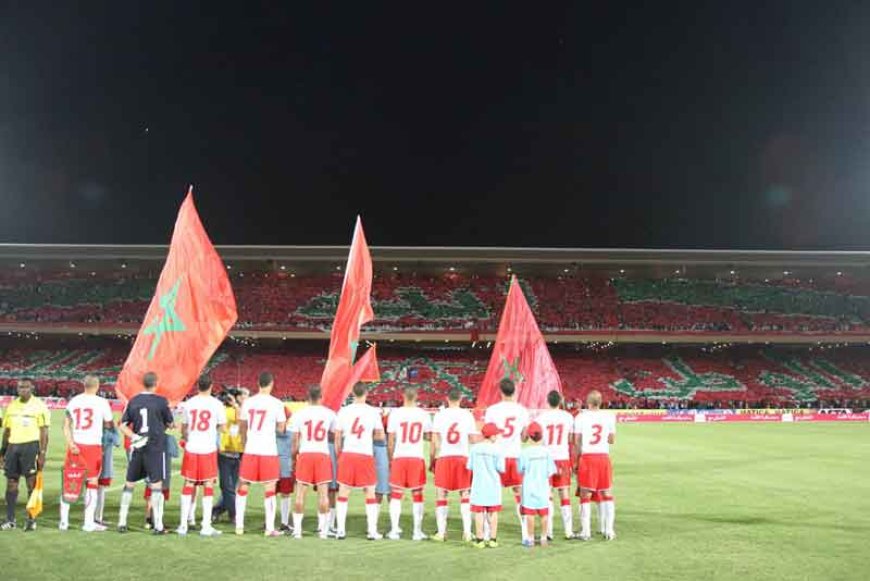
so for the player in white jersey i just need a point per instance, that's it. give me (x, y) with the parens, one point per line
(262, 417)
(358, 424)
(312, 427)
(87, 415)
(557, 426)
(203, 417)
(595, 431)
(452, 429)
(511, 419)
(407, 429)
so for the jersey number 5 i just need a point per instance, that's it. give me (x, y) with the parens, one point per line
(508, 427)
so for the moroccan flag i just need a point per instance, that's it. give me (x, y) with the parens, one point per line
(519, 353)
(191, 313)
(365, 369)
(354, 311)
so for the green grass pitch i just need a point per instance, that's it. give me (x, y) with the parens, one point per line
(723, 501)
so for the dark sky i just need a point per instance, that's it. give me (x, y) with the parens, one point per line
(665, 124)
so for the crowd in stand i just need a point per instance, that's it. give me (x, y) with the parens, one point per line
(407, 302)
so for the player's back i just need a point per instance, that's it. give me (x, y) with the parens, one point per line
(88, 414)
(203, 414)
(149, 415)
(312, 425)
(263, 413)
(595, 427)
(557, 425)
(454, 426)
(357, 423)
(409, 425)
(511, 419)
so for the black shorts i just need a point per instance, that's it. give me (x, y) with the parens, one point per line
(21, 460)
(147, 463)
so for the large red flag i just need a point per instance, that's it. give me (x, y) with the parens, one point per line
(520, 353)
(191, 313)
(354, 311)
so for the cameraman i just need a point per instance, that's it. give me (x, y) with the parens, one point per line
(230, 452)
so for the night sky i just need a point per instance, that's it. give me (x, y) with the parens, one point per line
(665, 124)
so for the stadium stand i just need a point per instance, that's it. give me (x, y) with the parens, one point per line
(631, 376)
(453, 302)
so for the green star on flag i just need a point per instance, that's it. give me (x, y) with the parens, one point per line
(170, 322)
(512, 369)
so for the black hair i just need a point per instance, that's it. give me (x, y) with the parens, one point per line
(265, 379)
(507, 387)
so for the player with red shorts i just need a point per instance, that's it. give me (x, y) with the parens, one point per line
(511, 419)
(261, 418)
(202, 417)
(357, 425)
(452, 429)
(87, 414)
(312, 427)
(595, 432)
(558, 428)
(407, 428)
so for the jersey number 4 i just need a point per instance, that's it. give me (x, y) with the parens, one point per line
(356, 429)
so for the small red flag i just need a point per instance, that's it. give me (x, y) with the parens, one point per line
(365, 369)
(519, 353)
(190, 315)
(354, 311)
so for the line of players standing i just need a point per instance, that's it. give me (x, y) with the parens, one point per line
(334, 454)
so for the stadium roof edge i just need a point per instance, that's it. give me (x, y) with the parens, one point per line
(470, 254)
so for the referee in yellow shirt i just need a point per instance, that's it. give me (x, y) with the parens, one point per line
(25, 441)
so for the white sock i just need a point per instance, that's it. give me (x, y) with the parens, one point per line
(285, 510)
(269, 504)
(341, 516)
(191, 516)
(523, 530)
(486, 531)
(90, 506)
(417, 511)
(241, 504)
(186, 502)
(126, 499)
(372, 512)
(207, 505)
(610, 516)
(568, 519)
(321, 522)
(101, 503)
(602, 517)
(465, 511)
(157, 509)
(64, 514)
(550, 520)
(297, 523)
(441, 519)
(395, 514)
(330, 519)
(585, 519)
